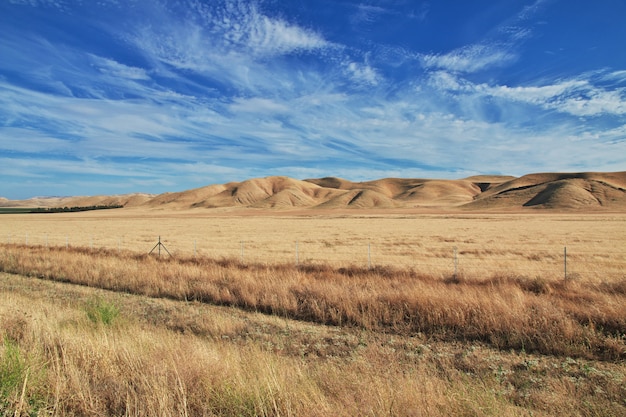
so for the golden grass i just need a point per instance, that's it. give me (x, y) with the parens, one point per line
(162, 357)
(506, 336)
(486, 244)
(572, 318)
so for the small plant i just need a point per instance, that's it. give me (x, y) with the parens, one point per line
(12, 373)
(19, 382)
(102, 311)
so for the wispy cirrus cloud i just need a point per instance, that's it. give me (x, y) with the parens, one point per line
(261, 35)
(367, 14)
(112, 68)
(575, 97)
(470, 58)
(192, 92)
(498, 50)
(232, 44)
(229, 29)
(362, 73)
(581, 96)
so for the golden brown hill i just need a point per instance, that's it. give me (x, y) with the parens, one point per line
(34, 202)
(554, 191)
(359, 199)
(332, 182)
(565, 191)
(189, 198)
(126, 200)
(270, 192)
(443, 193)
(402, 192)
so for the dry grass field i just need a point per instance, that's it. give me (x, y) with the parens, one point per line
(530, 245)
(315, 313)
(76, 350)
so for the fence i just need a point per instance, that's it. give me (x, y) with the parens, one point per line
(446, 258)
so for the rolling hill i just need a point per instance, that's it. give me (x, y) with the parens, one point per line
(547, 191)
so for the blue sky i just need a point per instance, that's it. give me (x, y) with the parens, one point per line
(114, 97)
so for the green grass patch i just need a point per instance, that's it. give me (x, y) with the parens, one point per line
(20, 386)
(12, 372)
(102, 311)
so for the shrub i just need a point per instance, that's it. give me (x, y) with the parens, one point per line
(19, 383)
(102, 311)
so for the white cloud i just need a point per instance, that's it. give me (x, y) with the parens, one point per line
(446, 81)
(593, 102)
(115, 69)
(231, 43)
(240, 26)
(362, 73)
(488, 53)
(367, 14)
(470, 58)
(59, 4)
(530, 10)
(576, 96)
(618, 76)
(258, 105)
(266, 36)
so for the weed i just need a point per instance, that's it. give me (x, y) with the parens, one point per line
(15, 379)
(228, 400)
(102, 311)
(12, 372)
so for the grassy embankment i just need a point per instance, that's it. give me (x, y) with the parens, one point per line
(577, 319)
(402, 343)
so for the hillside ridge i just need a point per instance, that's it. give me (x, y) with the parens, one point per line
(548, 191)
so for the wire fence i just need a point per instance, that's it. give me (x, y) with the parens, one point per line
(577, 261)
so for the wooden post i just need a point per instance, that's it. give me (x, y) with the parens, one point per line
(159, 245)
(456, 263)
(565, 263)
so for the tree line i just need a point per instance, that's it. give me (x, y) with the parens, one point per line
(73, 209)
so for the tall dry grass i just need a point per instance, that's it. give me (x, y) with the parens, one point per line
(576, 319)
(64, 362)
(527, 244)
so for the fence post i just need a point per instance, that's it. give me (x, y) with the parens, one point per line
(456, 262)
(158, 245)
(369, 255)
(565, 263)
(195, 248)
(297, 254)
(242, 251)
